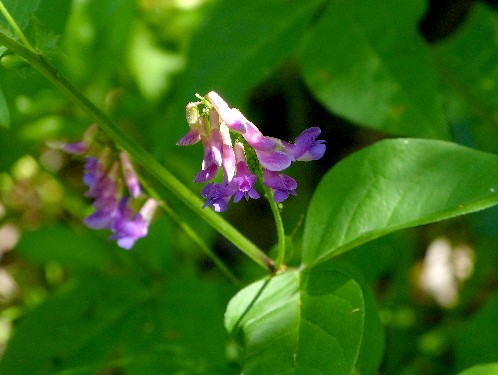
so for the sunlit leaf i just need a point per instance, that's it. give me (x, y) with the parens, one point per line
(392, 185)
(299, 322)
(366, 61)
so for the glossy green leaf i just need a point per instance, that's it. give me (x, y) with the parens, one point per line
(4, 111)
(300, 322)
(487, 369)
(366, 61)
(21, 10)
(236, 48)
(396, 184)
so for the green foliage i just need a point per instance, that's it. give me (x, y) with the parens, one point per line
(392, 185)
(386, 81)
(352, 297)
(300, 322)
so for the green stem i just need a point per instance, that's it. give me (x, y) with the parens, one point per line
(139, 154)
(280, 228)
(15, 27)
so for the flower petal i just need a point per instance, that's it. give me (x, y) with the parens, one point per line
(274, 160)
(192, 137)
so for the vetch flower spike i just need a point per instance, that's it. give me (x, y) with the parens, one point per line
(214, 125)
(105, 176)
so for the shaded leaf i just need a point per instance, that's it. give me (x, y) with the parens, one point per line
(299, 322)
(366, 61)
(467, 62)
(396, 184)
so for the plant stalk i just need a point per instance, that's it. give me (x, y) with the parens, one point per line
(139, 154)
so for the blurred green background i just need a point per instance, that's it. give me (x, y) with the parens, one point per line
(72, 302)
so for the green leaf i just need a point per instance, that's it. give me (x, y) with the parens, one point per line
(236, 48)
(21, 10)
(373, 340)
(487, 369)
(4, 111)
(467, 62)
(300, 322)
(366, 61)
(396, 184)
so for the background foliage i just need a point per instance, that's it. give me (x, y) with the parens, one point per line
(412, 296)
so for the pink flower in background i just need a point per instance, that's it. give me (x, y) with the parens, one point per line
(105, 177)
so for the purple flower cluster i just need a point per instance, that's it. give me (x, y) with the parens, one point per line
(213, 127)
(104, 178)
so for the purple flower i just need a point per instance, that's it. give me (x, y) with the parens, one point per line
(77, 148)
(217, 195)
(105, 177)
(244, 182)
(306, 146)
(213, 151)
(130, 176)
(103, 188)
(270, 151)
(281, 185)
(81, 147)
(230, 116)
(127, 226)
(215, 127)
(194, 134)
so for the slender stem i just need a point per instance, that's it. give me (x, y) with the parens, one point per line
(15, 27)
(280, 228)
(139, 154)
